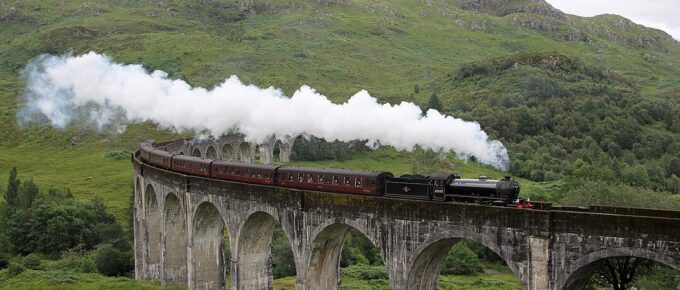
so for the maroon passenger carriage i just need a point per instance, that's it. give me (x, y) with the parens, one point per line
(333, 180)
(244, 172)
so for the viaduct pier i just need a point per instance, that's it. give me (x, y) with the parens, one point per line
(180, 220)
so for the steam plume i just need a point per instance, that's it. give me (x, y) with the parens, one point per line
(92, 88)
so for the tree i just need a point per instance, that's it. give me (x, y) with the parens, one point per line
(461, 261)
(434, 103)
(111, 262)
(416, 89)
(12, 193)
(620, 272)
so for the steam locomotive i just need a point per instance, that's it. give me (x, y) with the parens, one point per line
(437, 187)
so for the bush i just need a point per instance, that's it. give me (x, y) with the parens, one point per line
(365, 272)
(32, 261)
(461, 261)
(15, 269)
(4, 261)
(111, 262)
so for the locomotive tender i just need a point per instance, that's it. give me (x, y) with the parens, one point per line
(436, 187)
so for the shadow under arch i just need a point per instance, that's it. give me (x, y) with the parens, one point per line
(578, 272)
(428, 261)
(152, 233)
(323, 266)
(175, 241)
(210, 153)
(276, 151)
(207, 248)
(254, 251)
(196, 152)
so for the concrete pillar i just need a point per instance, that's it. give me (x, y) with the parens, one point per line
(266, 154)
(253, 262)
(206, 249)
(138, 217)
(285, 149)
(174, 255)
(539, 278)
(152, 235)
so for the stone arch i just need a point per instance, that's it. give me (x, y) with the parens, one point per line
(153, 233)
(254, 251)
(323, 265)
(181, 153)
(227, 152)
(207, 249)
(580, 270)
(196, 152)
(175, 242)
(428, 259)
(243, 153)
(210, 153)
(276, 152)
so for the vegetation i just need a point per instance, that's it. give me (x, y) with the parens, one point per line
(586, 106)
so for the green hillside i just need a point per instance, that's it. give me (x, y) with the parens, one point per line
(582, 104)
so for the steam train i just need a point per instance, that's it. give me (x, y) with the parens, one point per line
(436, 187)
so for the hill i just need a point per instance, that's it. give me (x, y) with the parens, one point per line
(459, 49)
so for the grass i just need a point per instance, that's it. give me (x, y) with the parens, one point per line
(68, 280)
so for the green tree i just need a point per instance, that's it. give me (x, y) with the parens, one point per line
(620, 272)
(461, 261)
(434, 103)
(112, 262)
(12, 193)
(416, 89)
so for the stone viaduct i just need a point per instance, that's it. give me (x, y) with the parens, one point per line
(234, 148)
(180, 221)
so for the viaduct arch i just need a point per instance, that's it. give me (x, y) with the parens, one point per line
(549, 248)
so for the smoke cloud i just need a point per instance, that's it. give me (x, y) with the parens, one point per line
(92, 88)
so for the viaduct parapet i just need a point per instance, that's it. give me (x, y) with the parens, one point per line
(180, 221)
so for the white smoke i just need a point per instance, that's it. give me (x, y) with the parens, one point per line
(93, 88)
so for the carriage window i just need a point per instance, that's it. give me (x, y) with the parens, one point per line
(335, 180)
(310, 178)
(237, 171)
(259, 173)
(290, 176)
(300, 177)
(357, 182)
(346, 180)
(320, 178)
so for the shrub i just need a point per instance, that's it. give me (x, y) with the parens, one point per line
(32, 261)
(4, 261)
(15, 269)
(461, 260)
(110, 261)
(365, 272)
